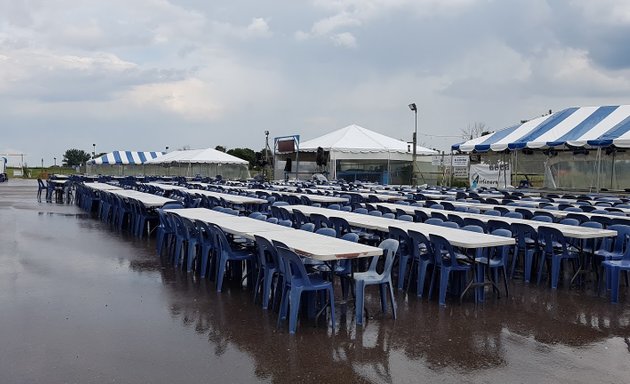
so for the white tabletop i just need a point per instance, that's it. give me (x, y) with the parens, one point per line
(533, 209)
(571, 231)
(302, 242)
(166, 187)
(233, 199)
(149, 200)
(101, 186)
(456, 237)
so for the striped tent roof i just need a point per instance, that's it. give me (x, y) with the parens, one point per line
(125, 157)
(573, 127)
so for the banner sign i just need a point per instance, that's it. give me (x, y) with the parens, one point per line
(461, 161)
(490, 175)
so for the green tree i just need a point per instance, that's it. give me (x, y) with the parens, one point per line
(74, 157)
(220, 148)
(245, 154)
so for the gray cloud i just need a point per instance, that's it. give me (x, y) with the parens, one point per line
(146, 74)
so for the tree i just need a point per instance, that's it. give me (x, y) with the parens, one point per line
(474, 130)
(220, 148)
(245, 154)
(74, 157)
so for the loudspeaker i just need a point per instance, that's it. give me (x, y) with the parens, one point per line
(287, 166)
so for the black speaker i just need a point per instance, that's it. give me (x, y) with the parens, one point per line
(320, 158)
(287, 166)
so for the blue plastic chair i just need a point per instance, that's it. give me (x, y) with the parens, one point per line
(513, 215)
(405, 218)
(555, 248)
(527, 245)
(372, 277)
(496, 259)
(613, 269)
(310, 227)
(327, 232)
(267, 269)
(226, 254)
(404, 252)
(297, 280)
(434, 221)
(286, 223)
(449, 224)
(447, 262)
(422, 255)
(205, 241)
(543, 218)
(492, 212)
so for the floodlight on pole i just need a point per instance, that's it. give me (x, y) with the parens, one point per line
(414, 176)
(93, 150)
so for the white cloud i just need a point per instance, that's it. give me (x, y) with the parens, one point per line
(256, 29)
(345, 39)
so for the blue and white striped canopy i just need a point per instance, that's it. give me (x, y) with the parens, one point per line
(573, 127)
(125, 157)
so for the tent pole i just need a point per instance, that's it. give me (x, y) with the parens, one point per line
(599, 167)
(612, 170)
(450, 180)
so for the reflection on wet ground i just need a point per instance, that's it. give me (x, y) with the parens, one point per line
(82, 303)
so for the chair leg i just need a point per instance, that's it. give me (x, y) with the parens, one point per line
(294, 308)
(402, 269)
(444, 275)
(555, 271)
(331, 298)
(392, 299)
(383, 293)
(221, 273)
(614, 273)
(422, 272)
(359, 288)
(267, 281)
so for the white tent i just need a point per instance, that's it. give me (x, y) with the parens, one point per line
(197, 156)
(204, 162)
(357, 152)
(355, 142)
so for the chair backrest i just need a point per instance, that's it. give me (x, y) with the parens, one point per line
(570, 221)
(389, 215)
(327, 232)
(619, 241)
(310, 227)
(434, 221)
(285, 223)
(267, 253)
(443, 251)
(573, 209)
(473, 210)
(439, 215)
(456, 219)
(472, 228)
(404, 242)
(375, 212)
(475, 221)
(406, 218)
(449, 224)
(550, 236)
(420, 242)
(340, 225)
(390, 248)
(272, 220)
(545, 219)
(353, 237)
(497, 224)
(436, 206)
(421, 217)
(492, 212)
(362, 211)
(513, 215)
(293, 266)
(336, 207)
(320, 221)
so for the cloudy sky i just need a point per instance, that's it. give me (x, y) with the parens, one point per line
(146, 74)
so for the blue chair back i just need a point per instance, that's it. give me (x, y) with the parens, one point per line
(327, 232)
(309, 227)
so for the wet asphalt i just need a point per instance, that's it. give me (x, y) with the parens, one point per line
(82, 303)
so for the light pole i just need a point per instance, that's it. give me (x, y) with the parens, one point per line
(166, 149)
(55, 161)
(414, 179)
(94, 150)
